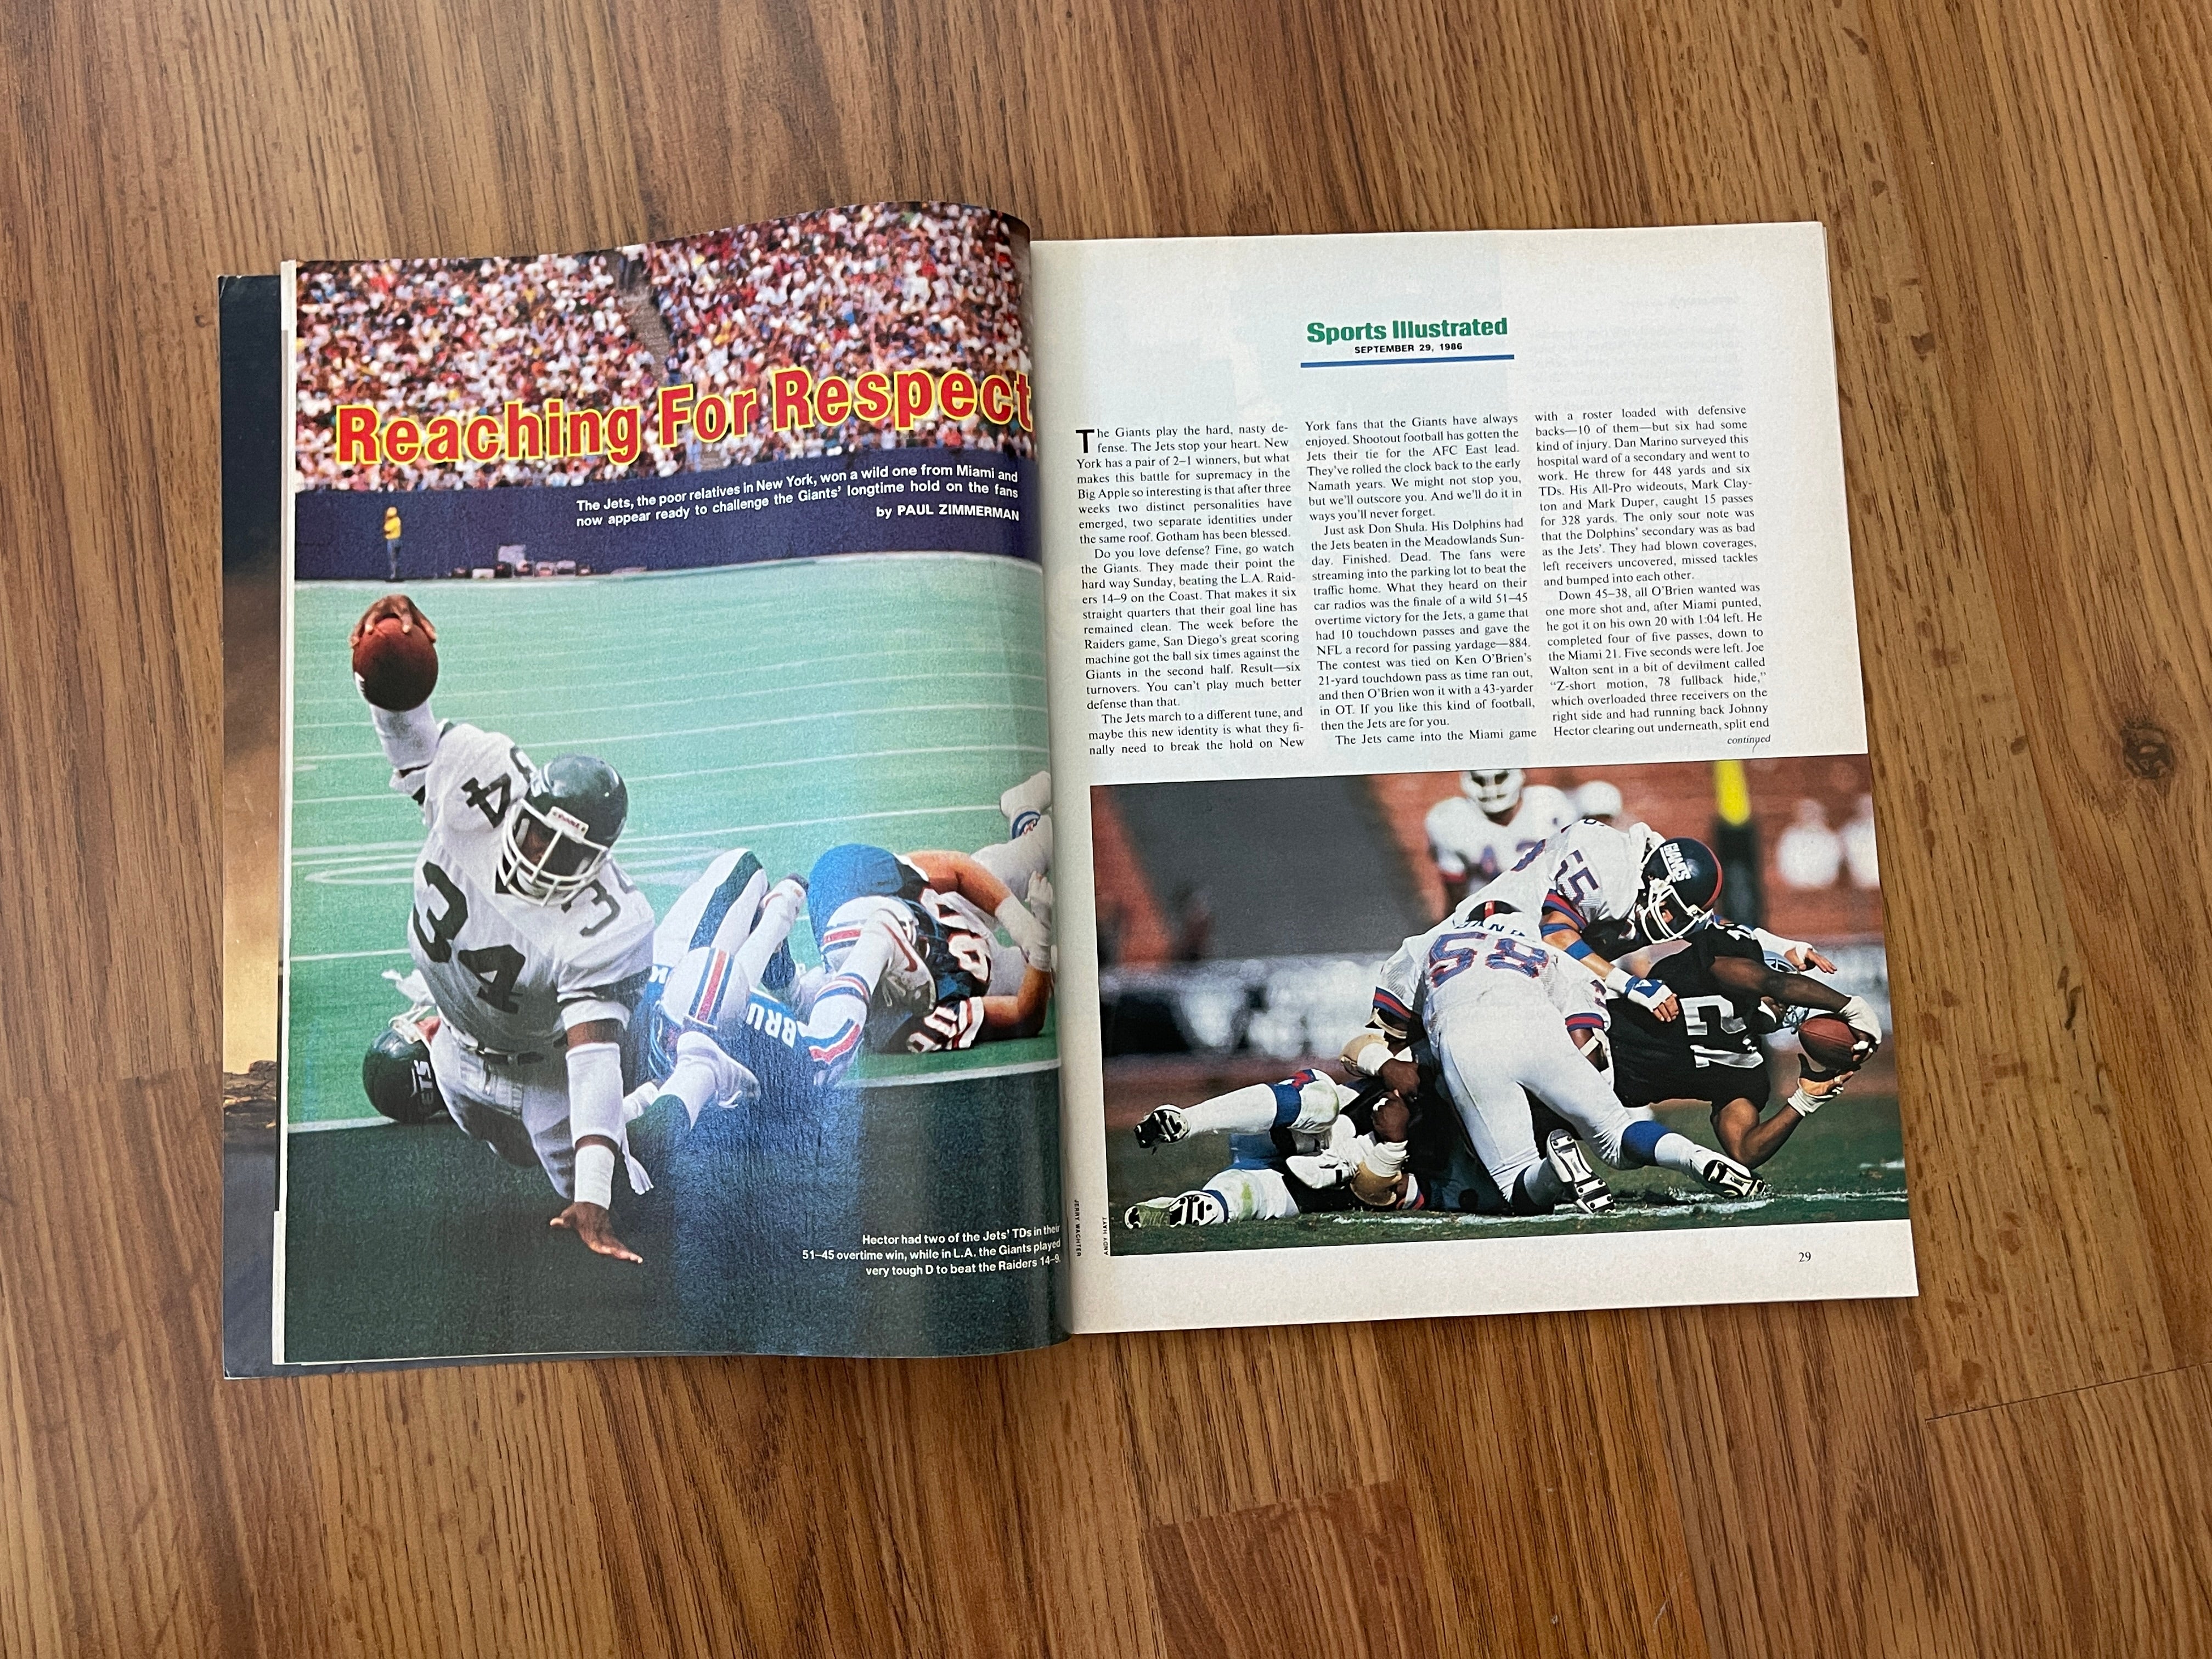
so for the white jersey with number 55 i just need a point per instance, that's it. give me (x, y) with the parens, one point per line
(511, 974)
(1592, 871)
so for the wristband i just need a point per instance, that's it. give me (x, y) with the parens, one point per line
(595, 1175)
(1618, 980)
(1806, 1104)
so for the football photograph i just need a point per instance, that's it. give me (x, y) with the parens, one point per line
(1455, 1005)
(667, 911)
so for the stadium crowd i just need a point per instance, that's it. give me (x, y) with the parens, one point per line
(836, 292)
(460, 336)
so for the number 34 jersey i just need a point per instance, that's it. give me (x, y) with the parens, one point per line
(510, 974)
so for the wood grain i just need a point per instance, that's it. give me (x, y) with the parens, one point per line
(2017, 198)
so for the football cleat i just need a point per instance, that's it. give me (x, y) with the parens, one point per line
(1724, 1175)
(1586, 1191)
(735, 1084)
(1160, 1127)
(1025, 803)
(1199, 1209)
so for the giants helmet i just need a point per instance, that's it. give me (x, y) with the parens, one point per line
(1494, 791)
(1681, 880)
(566, 825)
(395, 1075)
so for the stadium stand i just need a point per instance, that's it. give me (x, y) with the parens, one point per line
(891, 287)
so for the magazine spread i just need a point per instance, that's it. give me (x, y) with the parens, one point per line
(853, 785)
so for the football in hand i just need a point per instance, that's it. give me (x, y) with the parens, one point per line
(395, 668)
(1828, 1042)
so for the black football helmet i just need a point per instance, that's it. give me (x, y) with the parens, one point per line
(1681, 880)
(395, 1075)
(561, 834)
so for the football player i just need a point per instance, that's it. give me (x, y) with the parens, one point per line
(1024, 860)
(905, 965)
(1295, 1146)
(1729, 985)
(710, 1033)
(1489, 827)
(531, 941)
(1602, 894)
(1652, 888)
(1499, 1006)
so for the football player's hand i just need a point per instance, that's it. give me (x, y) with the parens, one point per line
(1802, 957)
(393, 605)
(1402, 1077)
(589, 1222)
(1653, 994)
(1821, 1084)
(1859, 1014)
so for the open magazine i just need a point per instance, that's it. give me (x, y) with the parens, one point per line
(860, 785)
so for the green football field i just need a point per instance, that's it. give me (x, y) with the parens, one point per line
(1846, 1163)
(783, 706)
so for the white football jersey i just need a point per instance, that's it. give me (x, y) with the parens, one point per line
(1592, 870)
(509, 973)
(1453, 965)
(1465, 842)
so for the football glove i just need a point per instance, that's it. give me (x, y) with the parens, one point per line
(1859, 1014)
(1379, 1182)
(1648, 994)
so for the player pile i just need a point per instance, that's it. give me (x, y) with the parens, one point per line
(1519, 1020)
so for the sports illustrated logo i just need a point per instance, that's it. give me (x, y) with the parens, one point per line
(1678, 867)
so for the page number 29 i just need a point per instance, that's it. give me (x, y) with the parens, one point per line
(1804, 1255)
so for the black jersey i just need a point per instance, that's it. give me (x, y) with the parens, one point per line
(1712, 1051)
(958, 960)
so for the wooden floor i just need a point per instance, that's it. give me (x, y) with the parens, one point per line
(2019, 200)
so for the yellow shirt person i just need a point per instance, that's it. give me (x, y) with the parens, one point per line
(392, 544)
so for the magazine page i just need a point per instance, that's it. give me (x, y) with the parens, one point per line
(665, 820)
(1468, 840)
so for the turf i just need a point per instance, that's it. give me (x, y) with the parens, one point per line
(784, 707)
(1847, 1163)
(414, 1242)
